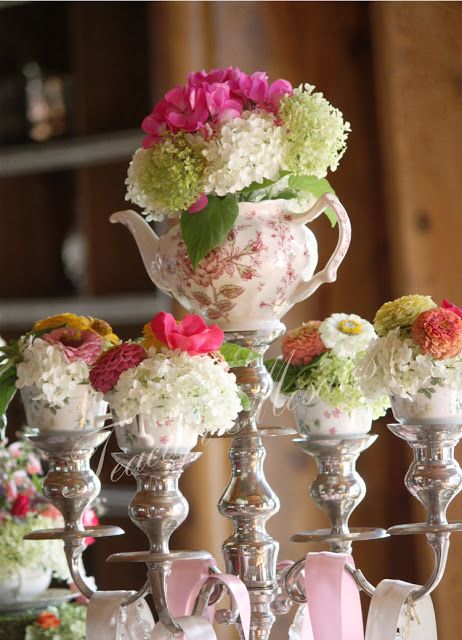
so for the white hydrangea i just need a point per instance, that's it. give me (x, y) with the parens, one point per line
(394, 364)
(247, 149)
(346, 334)
(45, 367)
(195, 390)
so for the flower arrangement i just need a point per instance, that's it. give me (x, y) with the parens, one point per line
(66, 622)
(419, 349)
(226, 137)
(178, 374)
(22, 510)
(319, 360)
(53, 359)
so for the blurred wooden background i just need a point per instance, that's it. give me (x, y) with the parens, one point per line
(393, 68)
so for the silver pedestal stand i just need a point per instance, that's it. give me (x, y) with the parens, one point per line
(248, 500)
(434, 478)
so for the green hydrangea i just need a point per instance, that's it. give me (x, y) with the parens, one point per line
(333, 379)
(316, 133)
(166, 178)
(35, 554)
(72, 624)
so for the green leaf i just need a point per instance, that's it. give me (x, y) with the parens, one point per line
(245, 401)
(317, 187)
(207, 229)
(7, 391)
(283, 372)
(237, 356)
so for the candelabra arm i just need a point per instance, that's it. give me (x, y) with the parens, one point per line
(360, 579)
(294, 590)
(439, 542)
(141, 593)
(73, 550)
(158, 574)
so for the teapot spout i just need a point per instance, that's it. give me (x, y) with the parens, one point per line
(147, 241)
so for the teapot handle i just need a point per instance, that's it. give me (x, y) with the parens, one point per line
(329, 273)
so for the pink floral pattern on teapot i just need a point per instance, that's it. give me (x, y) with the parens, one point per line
(260, 271)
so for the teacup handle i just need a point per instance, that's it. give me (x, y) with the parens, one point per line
(329, 273)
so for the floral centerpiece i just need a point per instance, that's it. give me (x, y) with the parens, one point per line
(50, 365)
(417, 360)
(26, 567)
(227, 137)
(66, 622)
(173, 386)
(316, 376)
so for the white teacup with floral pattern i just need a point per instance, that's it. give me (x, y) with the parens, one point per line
(434, 404)
(84, 410)
(25, 584)
(144, 434)
(316, 418)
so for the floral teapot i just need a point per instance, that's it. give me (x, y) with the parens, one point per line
(264, 267)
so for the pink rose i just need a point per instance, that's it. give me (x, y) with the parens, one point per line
(191, 334)
(76, 345)
(21, 507)
(452, 307)
(108, 368)
(200, 204)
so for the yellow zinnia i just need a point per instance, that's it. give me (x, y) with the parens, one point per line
(150, 339)
(62, 320)
(401, 312)
(104, 329)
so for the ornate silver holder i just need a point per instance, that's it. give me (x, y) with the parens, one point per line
(158, 508)
(434, 478)
(71, 486)
(337, 490)
(248, 500)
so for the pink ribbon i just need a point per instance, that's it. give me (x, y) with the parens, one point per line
(187, 579)
(238, 592)
(182, 581)
(333, 598)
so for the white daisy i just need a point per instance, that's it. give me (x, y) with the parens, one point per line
(346, 334)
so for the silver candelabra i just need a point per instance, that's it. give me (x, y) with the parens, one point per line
(158, 508)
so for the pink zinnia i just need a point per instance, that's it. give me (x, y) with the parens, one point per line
(84, 345)
(108, 368)
(439, 333)
(301, 345)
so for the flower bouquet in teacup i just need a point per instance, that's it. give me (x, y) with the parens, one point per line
(65, 622)
(173, 386)
(241, 162)
(50, 365)
(417, 360)
(26, 568)
(315, 377)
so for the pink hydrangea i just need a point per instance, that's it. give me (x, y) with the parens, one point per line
(301, 345)
(76, 345)
(108, 368)
(439, 333)
(211, 98)
(192, 334)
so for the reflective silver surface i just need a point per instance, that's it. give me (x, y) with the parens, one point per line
(71, 486)
(337, 489)
(250, 552)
